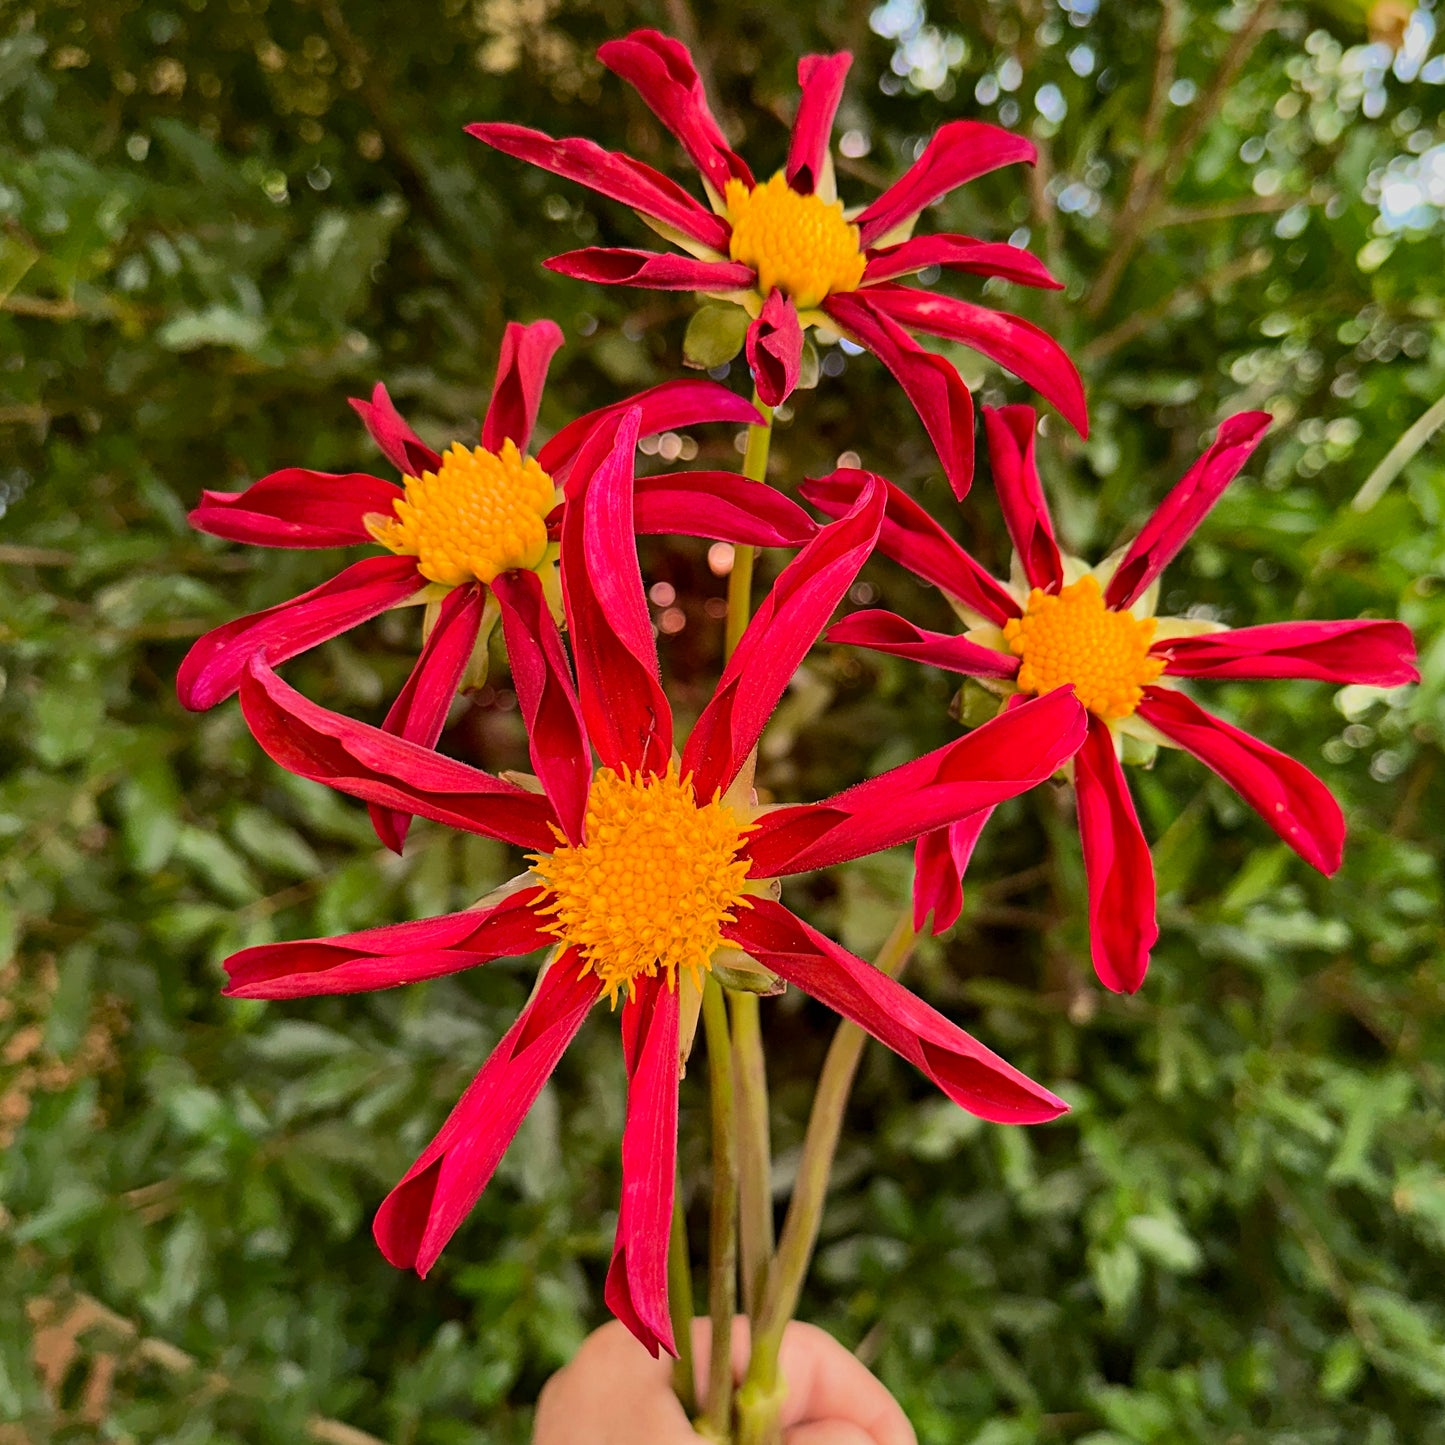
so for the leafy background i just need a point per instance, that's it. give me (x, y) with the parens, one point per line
(219, 221)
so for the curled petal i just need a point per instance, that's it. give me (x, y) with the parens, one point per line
(1017, 345)
(527, 352)
(651, 270)
(887, 632)
(616, 176)
(912, 538)
(422, 1213)
(940, 859)
(722, 506)
(212, 669)
(352, 757)
(387, 957)
(297, 508)
(661, 71)
(1289, 797)
(1379, 654)
(1186, 506)
(775, 349)
(820, 77)
(959, 152)
(1122, 927)
(399, 443)
(974, 1077)
(1010, 431)
(959, 253)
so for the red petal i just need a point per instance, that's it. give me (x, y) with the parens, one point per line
(1021, 748)
(1289, 797)
(556, 739)
(936, 390)
(636, 1290)
(959, 152)
(722, 506)
(354, 758)
(785, 626)
(913, 539)
(422, 1213)
(959, 253)
(661, 71)
(420, 710)
(626, 711)
(1380, 654)
(974, 1077)
(652, 270)
(1120, 872)
(616, 176)
(297, 508)
(775, 349)
(1017, 345)
(1011, 432)
(526, 354)
(386, 957)
(887, 632)
(212, 669)
(1185, 507)
(821, 79)
(406, 451)
(940, 859)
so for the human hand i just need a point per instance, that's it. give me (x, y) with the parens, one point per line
(615, 1393)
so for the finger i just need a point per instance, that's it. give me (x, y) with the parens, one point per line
(702, 1348)
(832, 1432)
(828, 1384)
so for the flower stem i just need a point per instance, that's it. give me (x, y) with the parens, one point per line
(679, 1298)
(761, 1395)
(740, 579)
(723, 1246)
(755, 1161)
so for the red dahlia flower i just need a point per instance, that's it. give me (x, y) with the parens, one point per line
(1065, 623)
(785, 249)
(643, 866)
(456, 524)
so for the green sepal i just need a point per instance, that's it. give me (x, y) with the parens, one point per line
(714, 335)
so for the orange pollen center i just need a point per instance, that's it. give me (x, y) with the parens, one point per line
(479, 514)
(1072, 637)
(800, 244)
(653, 884)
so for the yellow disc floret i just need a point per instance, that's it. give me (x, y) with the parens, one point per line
(1072, 637)
(800, 244)
(652, 884)
(479, 514)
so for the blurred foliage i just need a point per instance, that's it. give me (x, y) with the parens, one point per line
(217, 221)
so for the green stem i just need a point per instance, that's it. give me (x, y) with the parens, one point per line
(755, 1161)
(679, 1299)
(740, 579)
(722, 1286)
(761, 1396)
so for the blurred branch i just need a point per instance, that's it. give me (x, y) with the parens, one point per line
(1399, 457)
(1041, 174)
(1227, 210)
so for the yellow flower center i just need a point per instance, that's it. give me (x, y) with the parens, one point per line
(800, 244)
(653, 884)
(482, 513)
(1072, 637)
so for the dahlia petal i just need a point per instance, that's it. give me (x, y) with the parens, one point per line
(611, 174)
(619, 686)
(526, 353)
(399, 443)
(1022, 747)
(785, 625)
(820, 77)
(1180, 513)
(420, 710)
(556, 738)
(775, 349)
(935, 389)
(721, 506)
(352, 757)
(661, 71)
(940, 859)
(1120, 872)
(1017, 345)
(387, 957)
(1011, 431)
(437, 1193)
(912, 538)
(1286, 794)
(958, 152)
(959, 253)
(888, 632)
(297, 508)
(974, 1077)
(636, 1290)
(651, 270)
(212, 669)
(1379, 654)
